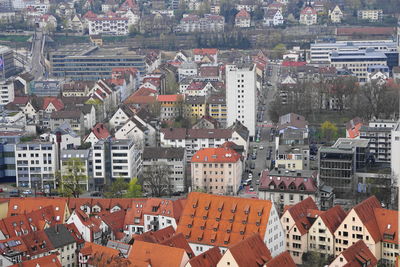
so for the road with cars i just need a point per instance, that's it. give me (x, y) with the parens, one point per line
(261, 150)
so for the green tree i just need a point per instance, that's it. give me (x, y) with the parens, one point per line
(117, 189)
(329, 131)
(279, 50)
(157, 179)
(134, 189)
(315, 259)
(73, 178)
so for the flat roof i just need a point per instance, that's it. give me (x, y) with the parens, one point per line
(347, 143)
(355, 44)
(94, 51)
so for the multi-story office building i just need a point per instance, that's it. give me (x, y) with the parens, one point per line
(114, 159)
(7, 64)
(36, 164)
(337, 164)
(217, 170)
(91, 62)
(7, 155)
(241, 95)
(174, 158)
(83, 155)
(379, 134)
(358, 62)
(321, 52)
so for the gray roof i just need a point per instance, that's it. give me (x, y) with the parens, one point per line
(375, 129)
(65, 128)
(163, 153)
(124, 248)
(74, 153)
(240, 129)
(59, 236)
(348, 143)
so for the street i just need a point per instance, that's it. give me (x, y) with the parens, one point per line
(264, 145)
(37, 68)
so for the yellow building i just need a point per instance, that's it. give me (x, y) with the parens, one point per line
(217, 109)
(195, 106)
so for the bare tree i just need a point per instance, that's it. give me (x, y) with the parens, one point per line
(156, 178)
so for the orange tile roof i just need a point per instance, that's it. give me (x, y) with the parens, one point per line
(91, 248)
(115, 221)
(157, 255)
(156, 236)
(358, 255)
(210, 258)
(353, 127)
(365, 210)
(333, 217)
(37, 243)
(100, 131)
(299, 214)
(205, 51)
(57, 103)
(17, 225)
(216, 155)
(222, 220)
(45, 261)
(250, 252)
(282, 260)
(26, 205)
(388, 222)
(243, 14)
(169, 98)
(179, 241)
(17, 245)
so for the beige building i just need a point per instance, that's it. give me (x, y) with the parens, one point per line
(321, 236)
(370, 14)
(216, 170)
(356, 255)
(360, 224)
(296, 221)
(336, 15)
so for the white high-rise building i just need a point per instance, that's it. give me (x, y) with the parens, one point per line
(241, 95)
(395, 157)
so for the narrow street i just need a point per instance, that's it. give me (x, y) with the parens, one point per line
(37, 68)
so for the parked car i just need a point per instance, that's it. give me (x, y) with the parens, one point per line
(251, 189)
(261, 147)
(250, 175)
(14, 193)
(96, 194)
(252, 165)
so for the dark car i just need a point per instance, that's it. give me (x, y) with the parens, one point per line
(96, 194)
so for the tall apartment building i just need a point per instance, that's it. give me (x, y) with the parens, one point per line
(7, 155)
(114, 159)
(35, 163)
(83, 155)
(379, 133)
(174, 158)
(217, 170)
(7, 64)
(395, 158)
(6, 92)
(87, 62)
(217, 109)
(337, 164)
(241, 95)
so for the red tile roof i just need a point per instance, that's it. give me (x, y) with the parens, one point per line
(21, 100)
(358, 255)
(37, 243)
(156, 236)
(169, 98)
(250, 252)
(353, 127)
(179, 241)
(26, 205)
(308, 11)
(307, 184)
(293, 63)
(333, 217)
(218, 220)
(115, 222)
(45, 261)
(57, 103)
(205, 51)
(388, 223)
(158, 255)
(210, 258)
(299, 213)
(365, 211)
(243, 14)
(100, 131)
(216, 155)
(282, 260)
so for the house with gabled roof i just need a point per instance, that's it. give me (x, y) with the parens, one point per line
(308, 16)
(360, 224)
(89, 226)
(388, 223)
(211, 221)
(113, 224)
(210, 258)
(251, 252)
(321, 237)
(49, 260)
(283, 259)
(92, 251)
(273, 17)
(243, 19)
(296, 221)
(144, 134)
(98, 132)
(357, 255)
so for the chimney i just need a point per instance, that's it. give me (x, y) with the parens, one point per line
(56, 228)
